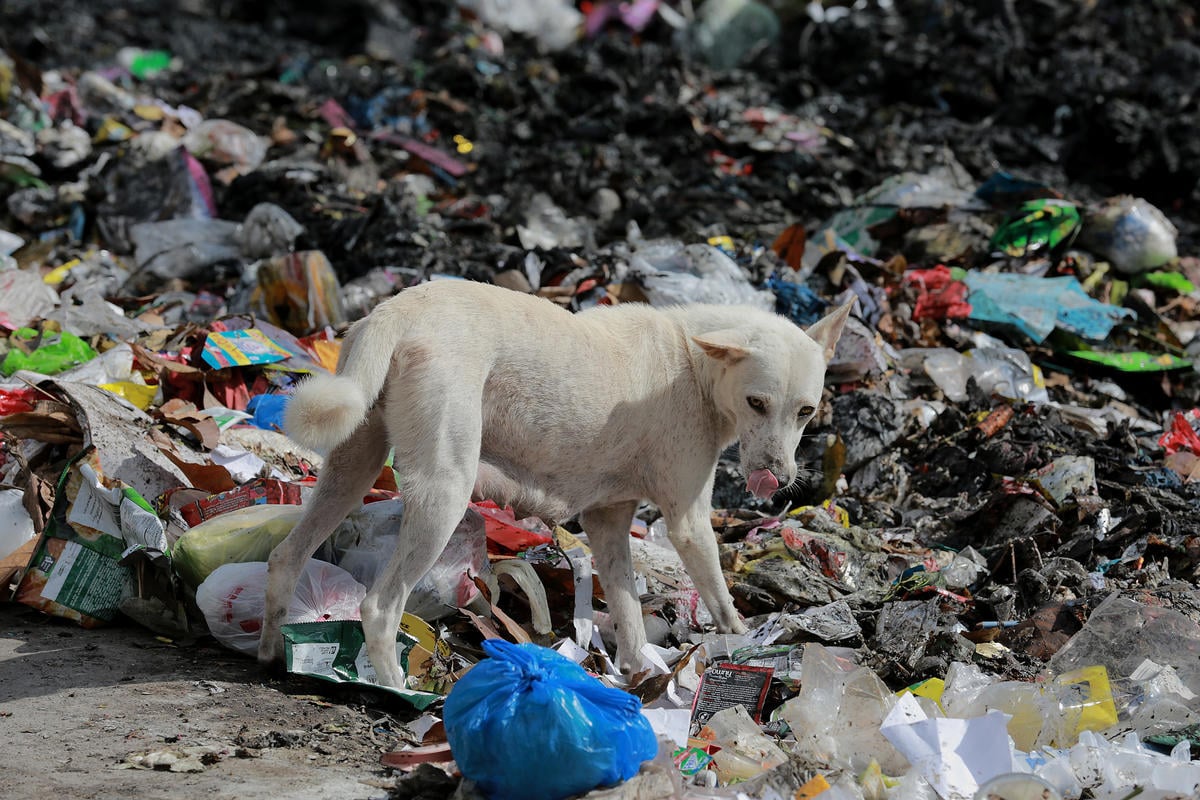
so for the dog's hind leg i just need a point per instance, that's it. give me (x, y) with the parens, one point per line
(348, 474)
(690, 530)
(437, 438)
(608, 531)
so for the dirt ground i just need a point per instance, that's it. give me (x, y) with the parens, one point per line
(75, 704)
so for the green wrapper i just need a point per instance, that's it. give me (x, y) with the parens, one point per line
(336, 651)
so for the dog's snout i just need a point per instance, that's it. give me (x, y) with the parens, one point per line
(785, 473)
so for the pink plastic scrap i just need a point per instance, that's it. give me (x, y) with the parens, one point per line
(636, 15)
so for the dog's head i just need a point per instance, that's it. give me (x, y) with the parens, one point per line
(769, 383)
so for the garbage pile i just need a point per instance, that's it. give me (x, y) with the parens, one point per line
(985, 584)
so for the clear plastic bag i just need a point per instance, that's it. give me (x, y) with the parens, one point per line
(364, 543)
(529, 708)
(184, 248)
(224, 142)
(24, 296)
(234, 599)
(695, 273)
(1131, 233)
(267, 231)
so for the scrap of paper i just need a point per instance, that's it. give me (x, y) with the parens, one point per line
(954, 755)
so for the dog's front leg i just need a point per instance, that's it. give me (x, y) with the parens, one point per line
(608, 531)
(692, 534)
(347, 476)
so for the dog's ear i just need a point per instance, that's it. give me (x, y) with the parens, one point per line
(726, 345)
(827, 330)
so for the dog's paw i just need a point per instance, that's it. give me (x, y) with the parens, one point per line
(273, 668)
(731, 625)
(271, 656)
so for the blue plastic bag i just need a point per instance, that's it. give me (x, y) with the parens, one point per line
(268, 410)
(530, 724)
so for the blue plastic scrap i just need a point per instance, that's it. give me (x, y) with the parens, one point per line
(1003, 188)
(1036, 306)
(796, 301)
(268, 411)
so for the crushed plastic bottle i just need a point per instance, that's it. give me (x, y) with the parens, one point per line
(746, 751)
(1004, 371)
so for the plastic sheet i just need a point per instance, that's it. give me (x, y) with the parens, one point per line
(16, 527)
(1121, 633)
(1035, 306)
(183, 248)
(55, 353)
(837, 714)
(553, 23)
(364, 543)
(267, 230)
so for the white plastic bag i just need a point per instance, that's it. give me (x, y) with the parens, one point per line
(233, 600)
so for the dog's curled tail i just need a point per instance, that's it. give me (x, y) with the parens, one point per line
(326, 409)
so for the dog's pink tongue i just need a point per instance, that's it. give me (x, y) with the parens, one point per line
(762, 483)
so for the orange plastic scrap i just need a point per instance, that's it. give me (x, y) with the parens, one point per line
(506, 531)
(811, 788)
(995, 421)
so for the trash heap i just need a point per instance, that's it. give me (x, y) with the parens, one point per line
(986, 582)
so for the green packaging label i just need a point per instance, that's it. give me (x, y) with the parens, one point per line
(336, 651)
(91, 582)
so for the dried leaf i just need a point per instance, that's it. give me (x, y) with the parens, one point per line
(790, 244)
(518, 634)
(186, 415)
(212, 478)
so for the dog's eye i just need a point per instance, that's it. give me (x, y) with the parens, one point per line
(757, 403)
(805, 412)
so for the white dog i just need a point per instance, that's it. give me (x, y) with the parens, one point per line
(503, 395)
